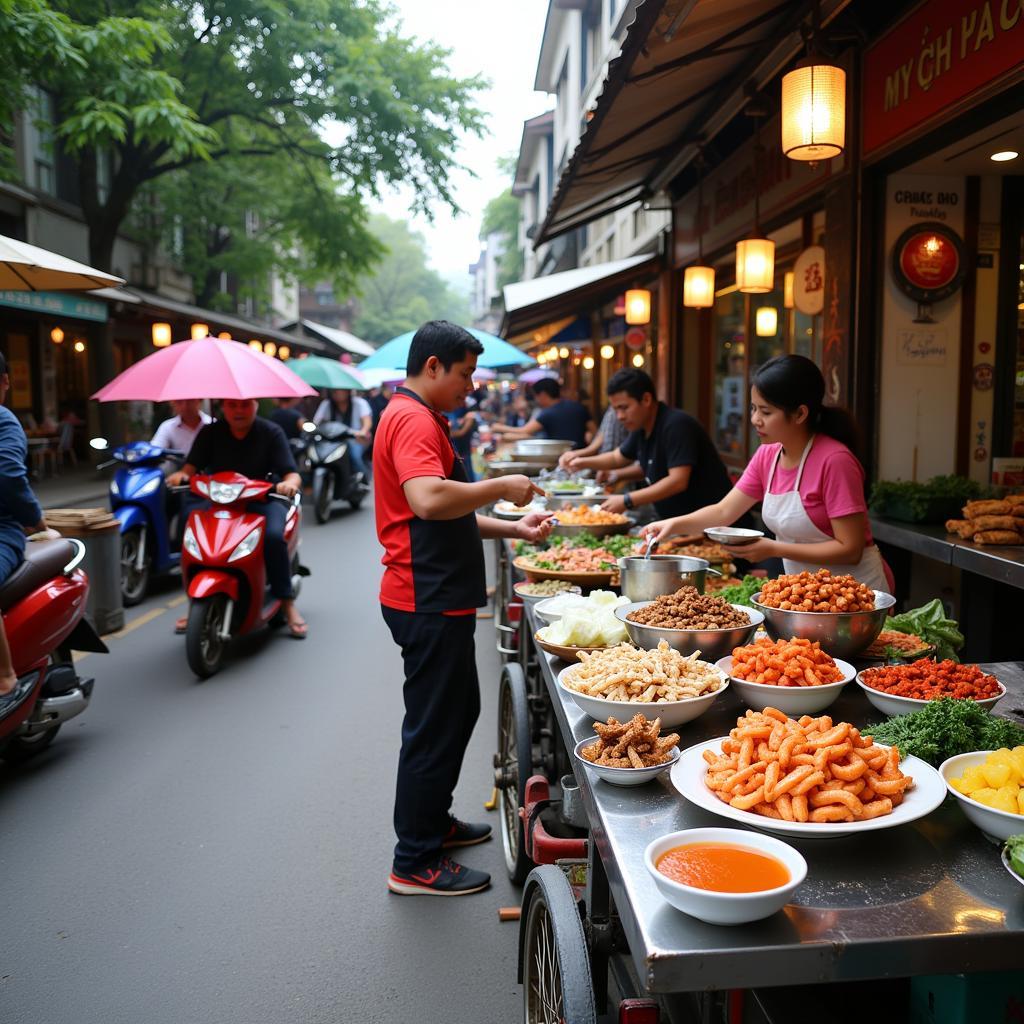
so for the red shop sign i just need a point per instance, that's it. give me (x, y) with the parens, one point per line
(928, 262)
(940, 54)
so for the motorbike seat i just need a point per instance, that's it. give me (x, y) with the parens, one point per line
(44, 559)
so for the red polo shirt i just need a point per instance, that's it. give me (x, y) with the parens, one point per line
(429, 565)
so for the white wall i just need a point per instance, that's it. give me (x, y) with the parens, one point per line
(920, 369)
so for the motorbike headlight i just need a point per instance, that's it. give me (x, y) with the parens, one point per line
(115, 491)
(190, 544)
(149, 487)
(247, 546)
(225, 494)
(336, 454)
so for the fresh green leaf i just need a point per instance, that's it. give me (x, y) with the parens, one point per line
(1015, 853)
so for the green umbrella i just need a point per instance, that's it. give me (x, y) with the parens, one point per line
(325, 373)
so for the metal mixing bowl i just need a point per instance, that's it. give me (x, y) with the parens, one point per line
(713, 644)
(597, 530)
(841, 634)
(502, 467)
(644, 579)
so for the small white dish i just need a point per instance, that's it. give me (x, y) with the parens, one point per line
(994, 823)
(890, 704)
(790, 700)
(623, 776)
(727, 908)
(732, 536)
(671, 713)
(1006, 864)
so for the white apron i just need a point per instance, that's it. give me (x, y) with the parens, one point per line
(784, 514)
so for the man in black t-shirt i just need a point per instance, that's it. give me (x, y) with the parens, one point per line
(682, 469)
(288, 417)
(560, 419)
(242, 442)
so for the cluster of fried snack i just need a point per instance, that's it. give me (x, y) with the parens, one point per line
(796, 662)
(809, 770)
(632, 744)
(626, 674)
(817, 592)
(588, 515)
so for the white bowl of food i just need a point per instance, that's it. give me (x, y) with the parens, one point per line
(790, 700)
(553, 608)
(533, 593)
(748, 860)
(672, 713)
(623, 776)
(732, 536)
(891, 705)
(993, 822)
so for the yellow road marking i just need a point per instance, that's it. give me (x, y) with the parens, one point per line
(174, 602)
(140, 621)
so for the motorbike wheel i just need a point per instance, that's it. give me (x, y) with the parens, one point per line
(356, 502)
(24, 748)
(204, 647)
(134, 581)
(324, 499)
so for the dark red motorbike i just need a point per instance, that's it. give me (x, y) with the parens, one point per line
(223, 569)
(43, 606)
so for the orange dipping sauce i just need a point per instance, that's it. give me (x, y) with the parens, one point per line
(723, 867)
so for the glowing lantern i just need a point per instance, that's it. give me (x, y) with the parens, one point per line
(200, 331)
(814, 111)
(638, 306)
(699, 287)
(766, 322)
(755, 265)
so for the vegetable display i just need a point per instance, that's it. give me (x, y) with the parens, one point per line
(945, 728)
(929, 622)
(1015, 853)
(932, 501)
(742, 592)
(588, 621)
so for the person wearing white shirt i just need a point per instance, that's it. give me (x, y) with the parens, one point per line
(354, 412)
(178, 432)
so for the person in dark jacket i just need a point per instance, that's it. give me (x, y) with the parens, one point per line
(20, 513)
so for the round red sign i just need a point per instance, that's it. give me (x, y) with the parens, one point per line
(636, 338)
(928, 262)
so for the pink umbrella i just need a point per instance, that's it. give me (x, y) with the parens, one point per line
(483, 373)
(206, 368)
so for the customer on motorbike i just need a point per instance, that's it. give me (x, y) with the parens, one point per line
(288, 416)
(243, 442)
(354, 412)
(180, 431)
(20, 513)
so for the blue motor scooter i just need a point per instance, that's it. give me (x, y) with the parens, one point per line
(139, 499)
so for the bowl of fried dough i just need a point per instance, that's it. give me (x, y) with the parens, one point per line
(628, 753)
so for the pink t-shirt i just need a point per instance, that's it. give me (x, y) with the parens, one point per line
(832, 485)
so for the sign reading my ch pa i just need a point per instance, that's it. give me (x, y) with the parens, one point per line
(938, 55)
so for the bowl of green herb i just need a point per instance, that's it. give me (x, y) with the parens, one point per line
(1013, 857)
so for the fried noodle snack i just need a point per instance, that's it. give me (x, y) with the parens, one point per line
(649, 677)
(811, 770)
(793, 662)
(634, 744)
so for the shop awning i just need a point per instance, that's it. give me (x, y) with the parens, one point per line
(239, 327)
(681, 74)
(532, 304)
(334, 336)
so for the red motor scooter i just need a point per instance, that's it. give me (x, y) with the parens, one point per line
(222, 566)
(43, 605)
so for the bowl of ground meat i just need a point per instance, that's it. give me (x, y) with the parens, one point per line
(690, 621)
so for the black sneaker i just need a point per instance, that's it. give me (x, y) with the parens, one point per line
(445, 877)
(463, 833)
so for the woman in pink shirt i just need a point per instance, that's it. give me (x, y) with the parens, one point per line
(806, 476)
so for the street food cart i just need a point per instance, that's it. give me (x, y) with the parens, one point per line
(926, 898)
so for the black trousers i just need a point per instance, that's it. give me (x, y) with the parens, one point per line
(442, 704)
(275, 548)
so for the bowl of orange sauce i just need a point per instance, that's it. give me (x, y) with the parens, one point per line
(725, 875)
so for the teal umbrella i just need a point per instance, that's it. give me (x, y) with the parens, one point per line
(325, 373)
(497, 352)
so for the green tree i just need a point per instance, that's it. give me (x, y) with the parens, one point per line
(334, 86)
(401, 291)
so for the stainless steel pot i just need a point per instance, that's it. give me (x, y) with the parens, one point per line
(644, 579)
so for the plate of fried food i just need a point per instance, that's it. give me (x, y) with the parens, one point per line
(573, 520)
(891, 645)
(810, 777)
(628, 753)
(510, 510)
(661, 683)
(796, 676)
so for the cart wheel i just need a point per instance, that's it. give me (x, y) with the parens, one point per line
(513, 765)
(554, 965)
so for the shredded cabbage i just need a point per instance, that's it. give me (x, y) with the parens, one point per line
(587, 621)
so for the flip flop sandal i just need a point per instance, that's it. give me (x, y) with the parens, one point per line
(299, 636)
(179, 629)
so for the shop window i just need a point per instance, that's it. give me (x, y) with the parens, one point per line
(1017, 448)
(729, 351)
(769, 337)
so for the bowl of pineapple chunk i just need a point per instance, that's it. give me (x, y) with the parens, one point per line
(989, 786)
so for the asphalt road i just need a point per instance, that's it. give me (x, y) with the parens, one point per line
(193, 852)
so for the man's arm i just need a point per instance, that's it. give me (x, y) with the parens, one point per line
(14, 477)
(609, 460)
(678, 479)
(433, 497)
(527, 430)
(581, 453)
(533, 527)
(162, 437)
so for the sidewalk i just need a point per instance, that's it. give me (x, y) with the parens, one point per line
(82, 487)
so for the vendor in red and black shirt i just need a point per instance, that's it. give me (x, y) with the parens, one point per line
(433, 583)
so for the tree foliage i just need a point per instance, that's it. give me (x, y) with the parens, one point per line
(324, 99)
(401, 291)
(501, 216)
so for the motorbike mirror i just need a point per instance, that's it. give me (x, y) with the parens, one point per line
(101, 444)
(309, 427)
